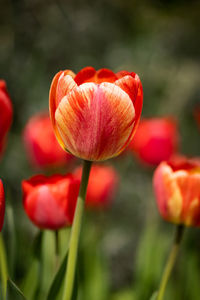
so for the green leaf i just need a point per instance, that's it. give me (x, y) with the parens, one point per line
(3, 266)
(58, 279)
(154, 296)
(15, 291)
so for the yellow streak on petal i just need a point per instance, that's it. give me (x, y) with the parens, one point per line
(191, 212)
(174, 205)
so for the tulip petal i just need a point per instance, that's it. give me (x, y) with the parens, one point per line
(189, 186)
(53, 101)
(65, 85)
(129, 85)
(105, 75)
(95, 121)
(133, 87)
(85, 75)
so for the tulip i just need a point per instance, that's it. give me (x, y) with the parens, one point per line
(95, 113)
(5, 114)
(41, 145)
(177, 189)
(156, 140)
(50, 202)
(2, 205)
(101, 186)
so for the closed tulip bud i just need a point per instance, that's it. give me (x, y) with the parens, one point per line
(6, 113)
(177, 189)
(41, 145)
(2, 205)
(95, 113)
(102, 186)
(156, 140)
(50, 202)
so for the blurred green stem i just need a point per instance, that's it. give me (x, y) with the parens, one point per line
(171, 260)
(3, 266)
(75, 233)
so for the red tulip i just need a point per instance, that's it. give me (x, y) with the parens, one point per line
(102, 185)
(2, 205)
(95, 113)
(42, 147)
(177, 189)
(5, 113)
(50, 202)
(155, 140)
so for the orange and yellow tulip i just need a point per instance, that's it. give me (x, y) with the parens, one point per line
(95, 113)
(177, 189)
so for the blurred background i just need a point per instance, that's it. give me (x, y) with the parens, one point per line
(159, 40)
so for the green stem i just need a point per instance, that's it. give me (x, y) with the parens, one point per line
(75, 233)
(3, 266)
(171, 261)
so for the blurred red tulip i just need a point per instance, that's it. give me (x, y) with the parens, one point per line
(102, 185)
(95, 113)
(156, 140)
(50, 202)
(177, 189)
(2, 205)
(6, 113)
(41, 145)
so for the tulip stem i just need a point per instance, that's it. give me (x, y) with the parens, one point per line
(3, 266)
(171, 260)
(75, 233)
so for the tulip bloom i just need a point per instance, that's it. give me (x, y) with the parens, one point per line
(2, 205)
(156, 140)
(5, 113)
(50, 202)
(102, 185)
(95, 113)
(40, 142)
(177, 189)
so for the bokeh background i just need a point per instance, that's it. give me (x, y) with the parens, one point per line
(160, 41)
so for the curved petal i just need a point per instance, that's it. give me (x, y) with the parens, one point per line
(95, 121)
(121, 74)
(133, 87)
(85, 75)
(53, 101)
(189, 186)
(64, 86)
(129, 85)
(105, 75)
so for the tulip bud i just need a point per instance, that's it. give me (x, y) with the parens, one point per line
(177, 189)
(156, 140)
(102, 186)
(2, 205)
(41, 145)
(50, 202)
(95, 113)
(5, 114)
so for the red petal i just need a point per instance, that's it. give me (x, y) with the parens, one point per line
(85, 75)
(105, 75)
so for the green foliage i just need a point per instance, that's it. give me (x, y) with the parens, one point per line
(14, 292)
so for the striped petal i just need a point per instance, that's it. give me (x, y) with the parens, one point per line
(95, 121)
(133, 87)
(56, 89)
